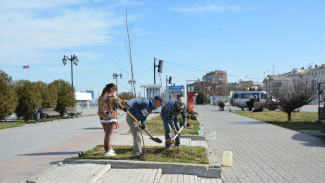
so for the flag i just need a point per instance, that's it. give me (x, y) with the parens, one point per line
(26, 67)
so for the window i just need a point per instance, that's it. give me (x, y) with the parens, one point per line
(244, 96)
(235, 96)
(263, 96)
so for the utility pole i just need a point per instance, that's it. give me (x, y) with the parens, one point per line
(160, 65)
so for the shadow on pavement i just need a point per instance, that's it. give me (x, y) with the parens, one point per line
(248, 123)
(94, 128)
(49, 153)
(309, 140)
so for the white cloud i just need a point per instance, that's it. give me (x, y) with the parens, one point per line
(201, 9)
(29, 29)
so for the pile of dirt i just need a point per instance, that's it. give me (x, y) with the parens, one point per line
(171, 152)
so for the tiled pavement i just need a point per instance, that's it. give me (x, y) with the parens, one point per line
(263, 152)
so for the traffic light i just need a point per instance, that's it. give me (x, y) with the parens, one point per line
(170, 80)
(160, 66)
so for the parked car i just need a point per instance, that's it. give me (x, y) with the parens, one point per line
(242, 98)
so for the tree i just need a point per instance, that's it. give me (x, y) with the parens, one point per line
(65, 95)
(129, 47)
(29, 99)
(126, 95)
(8, 96)
(201, 98)
(291, 95)
(48, 93)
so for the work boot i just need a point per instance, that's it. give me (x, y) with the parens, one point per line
(139, 157)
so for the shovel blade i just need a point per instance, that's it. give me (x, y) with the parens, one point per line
(156, 140)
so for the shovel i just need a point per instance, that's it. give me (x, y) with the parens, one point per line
(172, 141)
(135, 119)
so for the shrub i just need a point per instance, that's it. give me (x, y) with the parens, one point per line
(65, 95)
(48, 93)
(201, 98)
(221, 104)
(29, 99)
(126, 95)
(8, 96)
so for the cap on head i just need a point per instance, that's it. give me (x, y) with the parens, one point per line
(181, 102)
(159, 98)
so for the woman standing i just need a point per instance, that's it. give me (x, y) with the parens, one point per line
(107, 111)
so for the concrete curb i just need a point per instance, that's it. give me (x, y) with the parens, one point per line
(208, 171)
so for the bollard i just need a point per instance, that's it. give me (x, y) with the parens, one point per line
(227, 159)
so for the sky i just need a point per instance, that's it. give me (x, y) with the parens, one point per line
(246, 38)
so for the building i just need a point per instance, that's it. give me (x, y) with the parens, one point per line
(85, 101)
(217, 76)
(207, 88)
(313, 77)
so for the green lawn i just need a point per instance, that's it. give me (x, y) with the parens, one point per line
(183, 154)
(156, 126)
(12, 124)
(300, 120)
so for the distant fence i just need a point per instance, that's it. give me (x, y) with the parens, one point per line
(213, 100)
(87, 105)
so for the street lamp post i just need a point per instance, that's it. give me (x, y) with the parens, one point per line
(115, 76)
(266, 79)
(73, 59)
(265, 72)
(144, 92)
(132, 82)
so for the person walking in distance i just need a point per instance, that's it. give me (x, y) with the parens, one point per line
(140, 108)
(107, 111)
(169, 115)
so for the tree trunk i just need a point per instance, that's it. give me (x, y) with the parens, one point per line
(289, 116)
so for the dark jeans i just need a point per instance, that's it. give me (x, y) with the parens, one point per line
(168, 134)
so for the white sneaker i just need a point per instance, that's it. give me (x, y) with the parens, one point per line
(109, 153)
(112, 150)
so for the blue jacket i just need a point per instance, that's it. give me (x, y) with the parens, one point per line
(170, 112)
(140, 108)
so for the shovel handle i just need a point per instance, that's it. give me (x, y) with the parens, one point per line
(135, 119)
(179, 131)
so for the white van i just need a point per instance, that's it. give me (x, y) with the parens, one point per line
(240, 98)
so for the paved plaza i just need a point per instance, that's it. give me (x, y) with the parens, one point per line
(263, 152)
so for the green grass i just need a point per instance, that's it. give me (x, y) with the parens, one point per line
(12, 124)
(21, 122)
(156, 126)
(300, 120)
(183, 154)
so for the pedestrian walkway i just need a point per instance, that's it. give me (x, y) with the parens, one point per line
(263, 152)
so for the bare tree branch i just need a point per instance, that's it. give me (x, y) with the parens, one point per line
(129, 49)
(291, 95)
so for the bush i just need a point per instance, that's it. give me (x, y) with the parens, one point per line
(29, 99)
(48, 94)
(221, 104)
(126, 95)
(192, 115)
(201, 98)
(8, 96)
(65, 95)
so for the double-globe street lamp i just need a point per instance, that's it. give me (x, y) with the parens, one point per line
(73, 59)
(115, 76)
